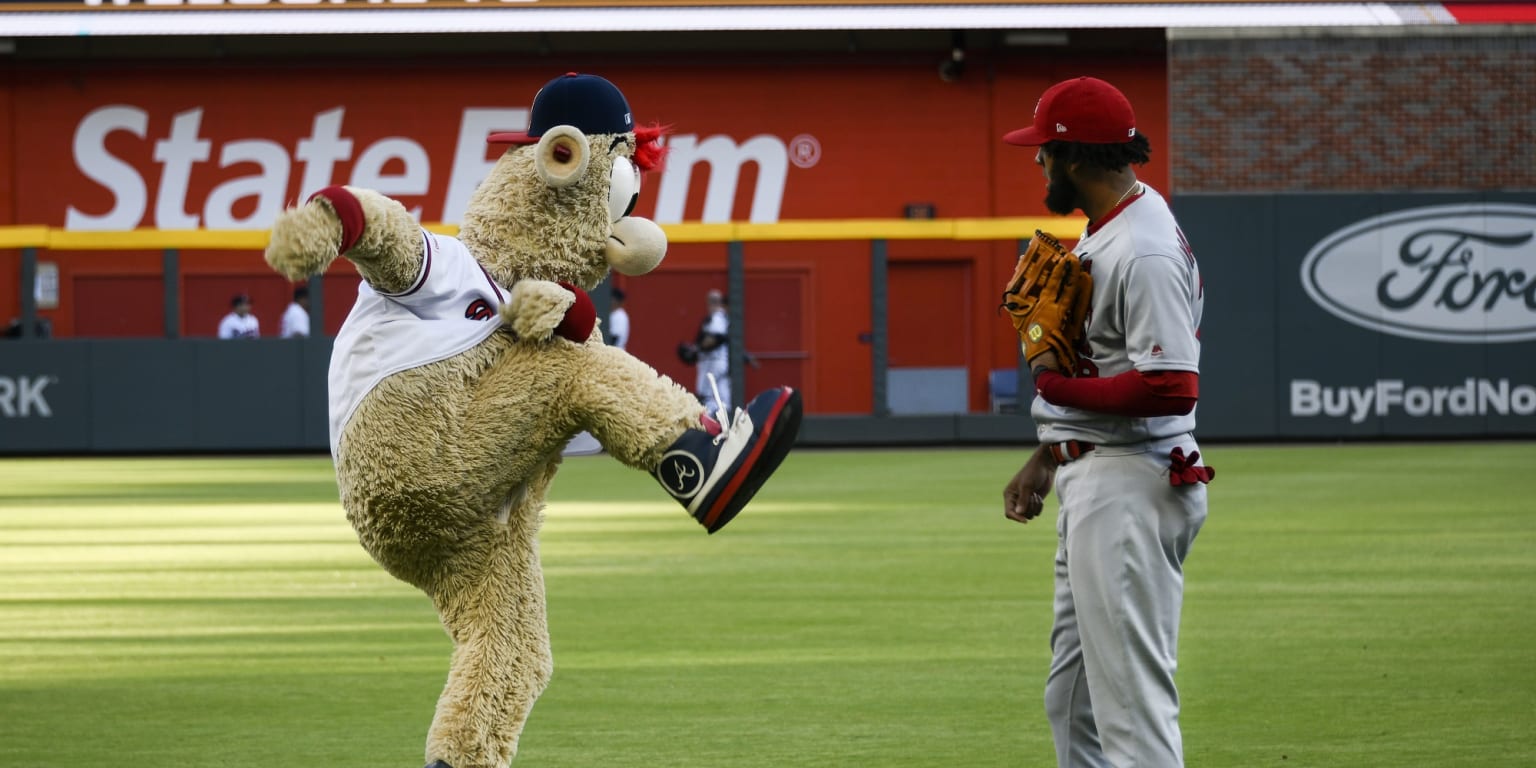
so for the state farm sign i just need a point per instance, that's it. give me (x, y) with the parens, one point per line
(1454, 273)
(398, 166)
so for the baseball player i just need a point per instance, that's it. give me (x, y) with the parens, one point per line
(714, 356)
(1115, 429)
(239, 323)
(618, 320)
(296, 315)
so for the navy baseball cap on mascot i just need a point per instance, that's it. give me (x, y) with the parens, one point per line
(564, 112)
(587, 102)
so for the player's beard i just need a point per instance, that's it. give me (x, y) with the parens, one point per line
(1061, 196)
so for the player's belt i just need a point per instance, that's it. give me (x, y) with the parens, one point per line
(1070, 450)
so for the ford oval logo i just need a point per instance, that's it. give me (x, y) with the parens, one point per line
(1456, 273)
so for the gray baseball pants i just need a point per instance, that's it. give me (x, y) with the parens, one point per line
(1123, 534)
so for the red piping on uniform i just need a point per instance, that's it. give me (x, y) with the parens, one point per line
(1093, 226)
(492, 281)
(426, 269)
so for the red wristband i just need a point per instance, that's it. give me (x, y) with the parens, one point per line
(579, 319)
(349, 210)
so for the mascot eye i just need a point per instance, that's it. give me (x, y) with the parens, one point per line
(625, 190)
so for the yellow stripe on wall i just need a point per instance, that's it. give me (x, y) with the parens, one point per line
(1019, 228)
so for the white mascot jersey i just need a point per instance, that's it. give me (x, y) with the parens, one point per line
(451, 307)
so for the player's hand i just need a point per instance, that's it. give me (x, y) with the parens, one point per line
(1048, 359)
(1025, 495)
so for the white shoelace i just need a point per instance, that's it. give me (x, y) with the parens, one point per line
(720, 413)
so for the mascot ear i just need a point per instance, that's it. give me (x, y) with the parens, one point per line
(562, 155)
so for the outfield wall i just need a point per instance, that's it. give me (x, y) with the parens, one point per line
(1326, 317)
(155, 395)
(1348, 315)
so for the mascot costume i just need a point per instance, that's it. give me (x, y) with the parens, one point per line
(467, 364)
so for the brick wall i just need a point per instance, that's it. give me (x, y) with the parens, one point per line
(1353, 114)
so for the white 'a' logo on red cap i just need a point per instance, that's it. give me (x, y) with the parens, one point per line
(1061, 128)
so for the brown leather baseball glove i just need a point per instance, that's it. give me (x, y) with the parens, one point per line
(1048, 300)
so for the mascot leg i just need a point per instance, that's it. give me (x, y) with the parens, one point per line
(646, 421)
(458, 517)
(494, 611)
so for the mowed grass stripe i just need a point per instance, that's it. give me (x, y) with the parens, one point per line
(1347, 606)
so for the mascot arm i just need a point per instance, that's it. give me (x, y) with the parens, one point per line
(538, 309)
(372, 231)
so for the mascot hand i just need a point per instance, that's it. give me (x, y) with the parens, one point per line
(539, 308)
(305, 240)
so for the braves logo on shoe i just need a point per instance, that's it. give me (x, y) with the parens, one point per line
(714, 476)
(681, 473)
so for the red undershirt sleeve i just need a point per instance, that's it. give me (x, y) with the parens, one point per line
(1133, 393)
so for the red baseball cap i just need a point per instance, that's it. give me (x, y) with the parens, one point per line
(1084, 109)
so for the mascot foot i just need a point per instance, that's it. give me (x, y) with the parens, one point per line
(438, 764)
(714, 476)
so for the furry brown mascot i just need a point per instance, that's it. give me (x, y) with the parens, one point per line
(468, 363)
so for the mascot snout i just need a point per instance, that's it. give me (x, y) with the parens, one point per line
(636, 246)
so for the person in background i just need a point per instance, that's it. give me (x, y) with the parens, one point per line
(296, 316)
(239, 323)
(713, 342)
(42, 328)
(618, 321)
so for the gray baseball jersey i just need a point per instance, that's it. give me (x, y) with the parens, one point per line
(1147, 298)
(1123, 530)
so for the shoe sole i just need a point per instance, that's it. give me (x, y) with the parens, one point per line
(783, 425)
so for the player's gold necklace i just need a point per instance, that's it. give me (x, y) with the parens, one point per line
(1125, 194)
(1111, 209)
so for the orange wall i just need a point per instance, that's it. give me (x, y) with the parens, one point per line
(8, 149)
(864, 136)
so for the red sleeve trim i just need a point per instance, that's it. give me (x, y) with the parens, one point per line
(1133, 393)
(349, 210)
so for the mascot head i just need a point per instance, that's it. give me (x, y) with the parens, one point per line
(556, 205)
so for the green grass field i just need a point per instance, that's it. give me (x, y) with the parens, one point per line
(1347, 606)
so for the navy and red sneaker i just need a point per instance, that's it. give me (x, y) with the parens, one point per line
(714, 475)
